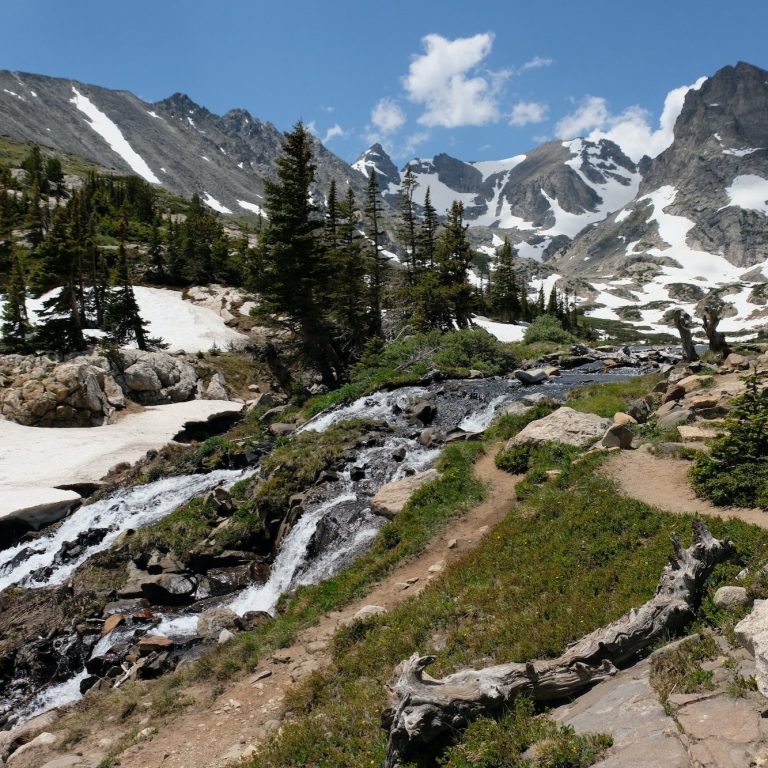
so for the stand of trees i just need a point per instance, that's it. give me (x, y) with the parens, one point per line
(321, 273)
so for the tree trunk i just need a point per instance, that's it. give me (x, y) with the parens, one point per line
(424, 708)
(717, 342)
(683, 324)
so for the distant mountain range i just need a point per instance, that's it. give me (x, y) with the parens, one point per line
(174, 142)
(633, 239)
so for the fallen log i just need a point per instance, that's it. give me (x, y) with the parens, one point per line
(424, 708)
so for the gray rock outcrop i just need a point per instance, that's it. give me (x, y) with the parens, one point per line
(392, 497)
(565, 425)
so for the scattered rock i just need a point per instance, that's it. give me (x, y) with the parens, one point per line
(111, 623)
(452, 544)
(617, 436)
(674, 419)
(280, 429)
(731, 597)
(529, 378)
(210, 623)
(436, 567)
(369, 610)
(752, 633)
(153, 643)
(225, 636)
(392, 497)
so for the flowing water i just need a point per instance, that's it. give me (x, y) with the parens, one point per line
(327, 537)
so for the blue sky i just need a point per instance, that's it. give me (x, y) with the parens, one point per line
(479, 80)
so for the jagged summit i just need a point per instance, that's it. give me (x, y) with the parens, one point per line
(376, 158)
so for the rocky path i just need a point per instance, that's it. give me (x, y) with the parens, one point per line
(221, 729)
(663, 483)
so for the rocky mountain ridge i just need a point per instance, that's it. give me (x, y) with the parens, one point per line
(540, 200)
(175, 143)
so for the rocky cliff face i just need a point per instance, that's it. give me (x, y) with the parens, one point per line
(175, 143)
(699, 222)
(539, 200)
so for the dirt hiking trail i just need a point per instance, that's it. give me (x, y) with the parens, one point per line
(663, 483)
(219, 730)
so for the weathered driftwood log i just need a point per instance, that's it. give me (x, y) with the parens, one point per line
(424, 708)
(683, 322)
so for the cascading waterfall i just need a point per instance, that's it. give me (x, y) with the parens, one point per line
(342, 521)
(34, 564)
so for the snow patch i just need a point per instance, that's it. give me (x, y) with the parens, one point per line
(182, 324)
(252, 207)
(212, 202)
(502, 331)
(109, 131)
(749, 192)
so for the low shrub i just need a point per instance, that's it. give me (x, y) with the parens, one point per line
(547, 328)
(736, 469)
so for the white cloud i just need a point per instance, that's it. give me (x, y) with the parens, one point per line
(334, 131)
(537, 62)
(413, 141)
(527, 112)
(630, 129)
(387, 116)
(446, 80)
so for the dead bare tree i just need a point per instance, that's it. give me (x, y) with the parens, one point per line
(683, 322)
(424, 708)
(711, 319)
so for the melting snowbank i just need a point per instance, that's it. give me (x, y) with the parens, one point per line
(34, 460)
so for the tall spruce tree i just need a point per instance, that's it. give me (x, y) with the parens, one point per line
(15, 320)
(407, 225)
(296, 274)
(454, 257)
(122, 318)
(374, 217)
(505, 293)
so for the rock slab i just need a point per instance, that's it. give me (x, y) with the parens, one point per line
(565, 425)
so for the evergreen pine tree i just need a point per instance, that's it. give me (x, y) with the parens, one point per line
(454, 258)
(296, 274)
(428, 233)
(374, 215)
(15, 324)
(407, 227)
(505, 294)
(122, 318)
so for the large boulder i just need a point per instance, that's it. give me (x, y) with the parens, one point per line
(565, 425)
(39, 392)
(392, 497)
(752, 633)
(528, 378)
(210, 623)
(155, 378)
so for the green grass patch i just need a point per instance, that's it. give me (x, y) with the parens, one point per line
(607, 398)
(502, 743)
(407, 360)
(680, 670)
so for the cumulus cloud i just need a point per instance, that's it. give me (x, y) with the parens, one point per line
(527, 112)
(448, 82)
(537, 62)
(387, 116)
(630, 129)
(334, 131)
